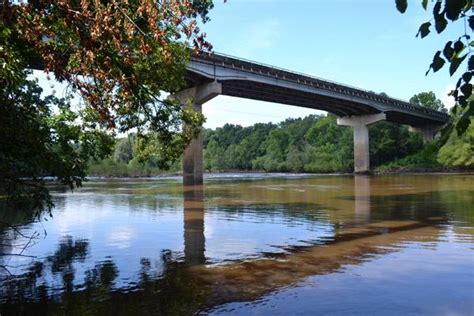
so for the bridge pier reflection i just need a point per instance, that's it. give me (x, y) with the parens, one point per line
(362, 198)
(194, 239)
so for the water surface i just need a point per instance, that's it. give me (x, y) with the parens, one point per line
(247, 244)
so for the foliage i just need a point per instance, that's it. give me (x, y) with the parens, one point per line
(331, 147)
(424, 159)
(119, 56)
(233, 147)
(126, 161)
(429, 100)
(39, 143)
(456, 52)
(390, 141)
(311, 144)
(459, 150)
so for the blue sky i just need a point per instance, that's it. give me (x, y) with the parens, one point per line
(364, 43)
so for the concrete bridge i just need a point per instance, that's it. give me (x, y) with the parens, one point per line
(210, 75)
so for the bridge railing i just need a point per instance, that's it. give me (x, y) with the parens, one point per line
(282, 73)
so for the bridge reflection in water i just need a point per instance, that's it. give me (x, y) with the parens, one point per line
(363, 219)
(354, 242)
(194, 239)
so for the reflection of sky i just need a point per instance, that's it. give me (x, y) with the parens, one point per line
(125, 222)
(114, 229)
(413, 280)
(237, 233)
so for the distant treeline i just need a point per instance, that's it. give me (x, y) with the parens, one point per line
(311, 144)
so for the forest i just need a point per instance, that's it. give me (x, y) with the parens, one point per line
(313, 144)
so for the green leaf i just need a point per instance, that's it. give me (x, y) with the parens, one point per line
(438, 62)
(467, 76)
(470, 64)
(448, 51)
(436, 9)
(466, 89)
(401, 5)
(455, 62)
(471, 22)
(453, 8)
(424, 29)
(440, 23)
(458, 46)
(425, 4)
(465, 118)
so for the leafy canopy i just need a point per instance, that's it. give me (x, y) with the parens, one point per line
(119, 56)
(429, 100)
(457, 53)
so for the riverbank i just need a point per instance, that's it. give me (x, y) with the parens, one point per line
(401, 170)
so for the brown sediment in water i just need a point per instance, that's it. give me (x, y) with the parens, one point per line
(248, 280)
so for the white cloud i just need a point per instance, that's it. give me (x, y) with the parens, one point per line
(448, 100)
(121, 237)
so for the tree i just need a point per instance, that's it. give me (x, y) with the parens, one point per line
(428, 100)
(36, 143)
(214, 157)
(119, 56)
(459, 150)
(389, 141)
(456, 52)
(124, 149)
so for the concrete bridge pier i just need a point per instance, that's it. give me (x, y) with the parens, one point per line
(360, 125)
(427, 132)
(192, 158)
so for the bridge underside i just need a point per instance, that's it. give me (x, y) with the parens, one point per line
(339, 107)
(212, 75)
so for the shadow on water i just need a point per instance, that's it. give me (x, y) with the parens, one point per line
(381, 225)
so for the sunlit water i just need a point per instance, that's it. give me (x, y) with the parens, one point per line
(247, 244)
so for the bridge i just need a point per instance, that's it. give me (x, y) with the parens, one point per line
(210, 75)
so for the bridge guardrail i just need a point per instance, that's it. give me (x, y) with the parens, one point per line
(281, 73)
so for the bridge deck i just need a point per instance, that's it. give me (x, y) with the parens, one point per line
(247, 79)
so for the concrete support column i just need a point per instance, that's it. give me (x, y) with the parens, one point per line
(193, 158)
(360, 124)
(361, 148)
(427, 132)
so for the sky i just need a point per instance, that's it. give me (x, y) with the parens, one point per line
(365, 43)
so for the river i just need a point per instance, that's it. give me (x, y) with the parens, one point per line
(246, 244)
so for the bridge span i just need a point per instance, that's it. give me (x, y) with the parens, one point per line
(210, 75)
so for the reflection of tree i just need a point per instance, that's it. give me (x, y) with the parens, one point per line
(15, 222)
(181, 289)
(62, 260)
(172, 291)
(34, 281)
